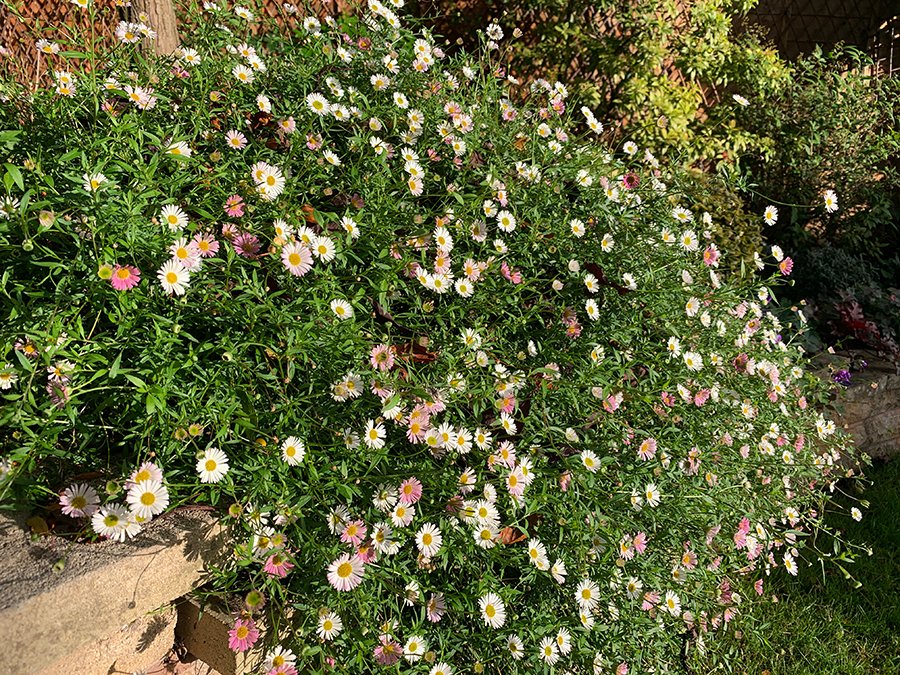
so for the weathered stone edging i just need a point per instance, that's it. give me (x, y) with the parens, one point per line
(60, 598)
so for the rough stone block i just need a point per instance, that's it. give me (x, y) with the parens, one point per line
(142, 645)
(204, 634)
(60, 596)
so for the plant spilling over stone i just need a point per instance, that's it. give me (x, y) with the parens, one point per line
(471, 388)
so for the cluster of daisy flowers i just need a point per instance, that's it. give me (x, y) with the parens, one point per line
(505, 460)
(187, 254)
(146, 496)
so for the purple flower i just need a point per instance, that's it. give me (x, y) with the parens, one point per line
(842, 377)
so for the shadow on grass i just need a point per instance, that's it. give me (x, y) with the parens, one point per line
(822, 625)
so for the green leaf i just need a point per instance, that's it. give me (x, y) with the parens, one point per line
(136, 381)
(114, 369)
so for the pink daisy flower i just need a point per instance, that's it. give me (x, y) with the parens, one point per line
(472, 270)
(366, 553)
(346, 573)
(435, 607)
(246, 245)
(740, 537)
(283, 669)
(243, 636)
(647, 449)
(125, 277)
(382, 357)
(297, 258)
(419, 423)
(230, 231)
(388, 652)
(612, 402)
(640, 542)
(288, 125)
(354, 532)
(234, 206)
(410, 490)
(510, 274)
(786, 266)
(506, 454)
(381, 389)
(434, 406)
(441, 264)
(651, 600)
(235, 140)
(277, 565)
(515, 482)
(313, 141)
(205, 244)
(146, 471)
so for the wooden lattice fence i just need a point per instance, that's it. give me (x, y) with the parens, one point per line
(795, 26)
(23, 23)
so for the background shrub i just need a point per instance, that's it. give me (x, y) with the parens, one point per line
(835, 126)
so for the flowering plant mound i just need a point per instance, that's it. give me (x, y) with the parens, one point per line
(468, 383)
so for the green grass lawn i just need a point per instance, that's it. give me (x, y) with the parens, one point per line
(825, 626)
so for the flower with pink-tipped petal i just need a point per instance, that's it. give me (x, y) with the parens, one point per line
(243, 636)
(277, 565)
(388, 652)
(354, 532)
(382, 357)
(234, 206)
(410, 490)
(346, 573)
(125, 277)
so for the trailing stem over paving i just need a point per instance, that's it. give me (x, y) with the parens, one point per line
(469, 387)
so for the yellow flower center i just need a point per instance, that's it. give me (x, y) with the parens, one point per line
(344, 570)
(148, 499)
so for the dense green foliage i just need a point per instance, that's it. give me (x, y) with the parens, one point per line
(661, 73)
(460, 374)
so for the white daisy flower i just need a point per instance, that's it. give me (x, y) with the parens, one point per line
(212, 465)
